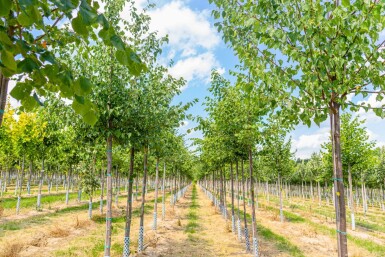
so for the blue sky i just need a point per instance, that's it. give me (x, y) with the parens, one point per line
(196, 48)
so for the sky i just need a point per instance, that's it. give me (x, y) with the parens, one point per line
(196, 48)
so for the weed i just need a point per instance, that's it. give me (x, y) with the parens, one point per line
(12, 249)
(59, 232)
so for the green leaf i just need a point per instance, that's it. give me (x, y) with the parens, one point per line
(29, 103)
(47, 56)
(79, 26)
(24, 19)
(8, 60)
(121, 56)
(90, 118)
(28, 65)
(78, 107)
(117, 42)
(6, 6)
(85, 85)
(7, 72)
(103, 21)
(4, 39)
(21, 91)
(345, 3)
(88, 14)
(250, 22)
(89, 17)
(67, 5)
(79, 99)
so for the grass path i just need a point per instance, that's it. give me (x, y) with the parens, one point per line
(57, 231)
(357, 244)
(195, 228)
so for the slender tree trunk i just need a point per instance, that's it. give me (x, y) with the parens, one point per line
(365, 198)
(239, 216)
(280, 197)
(141, 226)
(247, 241)
(351, 198)
(311, 190)
(68, 184)
(319, 193)
(221, 192)
(20, 187)
(253, 223)
(154, 225)
(338, 184)
(164, 192)
(126, 247)
(107, 244)
(232, 198)
(101, 190)
(137, 186)
(40, 184)
(3, 95)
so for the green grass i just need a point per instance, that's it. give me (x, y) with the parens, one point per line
(281, 242)
(192, 216)
(28, 202)
(117, 225)
(40, 219)
(367, 244)
(98, 248)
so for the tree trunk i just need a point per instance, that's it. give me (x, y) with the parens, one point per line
(232, 198)
(253, 223)
(164, 192)
(20, 187)
(107, 244)
(101, 190)
(239, 216)
(338, 182)
(68, 184)
(280, 197)
(247, 241)
(141, 226)
(3, 95)
(126, 247)
(351, 198)
(154, 225)
(40, 184)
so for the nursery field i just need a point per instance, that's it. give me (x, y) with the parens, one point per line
(192, 128)
(193, 226)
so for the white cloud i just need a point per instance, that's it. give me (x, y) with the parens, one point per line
(196, 67)
(188, 30)
(305, 145)
(192, 38)
(370, 116)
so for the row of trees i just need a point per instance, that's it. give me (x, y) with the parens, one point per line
(265, 147)
(126, 105)
(299, 62)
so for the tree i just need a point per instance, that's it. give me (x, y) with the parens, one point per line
(317, 58)
(277, 154)
(31, 31)
(355, 148)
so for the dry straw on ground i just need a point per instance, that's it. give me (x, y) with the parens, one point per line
(59, 232)
(11, 249)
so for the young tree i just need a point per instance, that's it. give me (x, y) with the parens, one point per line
(31, 31)
(318, 59)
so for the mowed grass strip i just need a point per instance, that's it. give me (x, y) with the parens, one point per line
(192, 215)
